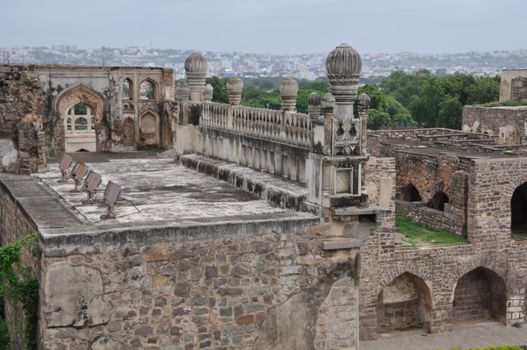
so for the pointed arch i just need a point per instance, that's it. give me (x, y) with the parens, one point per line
(438, 201)
(128, 89)
(480, 294)
(149, 128)
(71, 121)
(410, 194)
(404, 303)
(148, 89)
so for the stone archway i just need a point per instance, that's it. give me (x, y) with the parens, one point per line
(480, 294)
(65, 104)
(410, 194)
(404, 304)
(148, 129)
(519, 210)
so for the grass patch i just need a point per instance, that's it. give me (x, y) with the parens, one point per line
(497, 347)
(419, 232)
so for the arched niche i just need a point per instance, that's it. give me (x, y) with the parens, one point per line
(404, 304)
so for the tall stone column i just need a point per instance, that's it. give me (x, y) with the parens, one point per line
(235, 88)
(196, 68)
(288, 92)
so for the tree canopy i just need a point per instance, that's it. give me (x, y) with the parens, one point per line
(401, 99)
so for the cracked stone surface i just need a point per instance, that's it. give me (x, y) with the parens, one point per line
(73, 296)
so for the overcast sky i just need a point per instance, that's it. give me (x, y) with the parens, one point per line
(275, 26)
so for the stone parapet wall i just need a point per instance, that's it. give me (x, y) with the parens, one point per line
(263, 290)
(15, 223)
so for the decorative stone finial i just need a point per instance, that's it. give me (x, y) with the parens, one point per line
(364, 102)
(288, 92)
(343, 66)
(313, 99)
(182, 92)
(235, 88)
(313, 106)
(207, 93)
(328, 103)
(196, 68)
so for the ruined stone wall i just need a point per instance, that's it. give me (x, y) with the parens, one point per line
(101, 88)
(430, 175)
(15, 224)
(507, 123)
(21, 107)
(258, 290)
(509, 88)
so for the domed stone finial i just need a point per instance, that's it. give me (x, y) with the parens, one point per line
(288, 92)
(313, 106)
(343, 66)
(196, 68)
(235, 88)
(364, 102)
(313, 99)
(208, 92)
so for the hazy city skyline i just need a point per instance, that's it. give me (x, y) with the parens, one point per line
(272, 26)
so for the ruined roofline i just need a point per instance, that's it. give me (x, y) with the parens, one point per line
(32, 66)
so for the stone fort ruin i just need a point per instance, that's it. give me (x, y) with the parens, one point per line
(272, 230)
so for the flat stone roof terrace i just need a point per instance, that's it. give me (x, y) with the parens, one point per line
(158, 194)
(157, 190)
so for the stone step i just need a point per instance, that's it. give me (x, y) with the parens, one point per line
(278, 191)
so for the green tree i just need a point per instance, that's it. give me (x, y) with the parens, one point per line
(449, 115)
(220, 93)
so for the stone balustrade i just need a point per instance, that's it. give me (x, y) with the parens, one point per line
(286, 127)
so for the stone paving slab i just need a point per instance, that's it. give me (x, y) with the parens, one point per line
(463, 336)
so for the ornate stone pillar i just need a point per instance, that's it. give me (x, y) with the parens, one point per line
(235, 88)
(313, 106)
(288, 92)
(363, 108)
(196, 68)
(207, 93)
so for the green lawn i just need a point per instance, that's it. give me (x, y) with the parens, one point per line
(418, 232)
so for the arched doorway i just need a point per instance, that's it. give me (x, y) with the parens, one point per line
(404, 304)
(480, 294)
(519, 210)
(79, 126)
(438, 201)
(87, 129)
(148, 130)
(410, 194)
(128, 132)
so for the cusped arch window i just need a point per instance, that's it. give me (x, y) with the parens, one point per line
(147, 90)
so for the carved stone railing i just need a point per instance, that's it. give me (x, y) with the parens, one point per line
(285, 127)
(277, 142)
